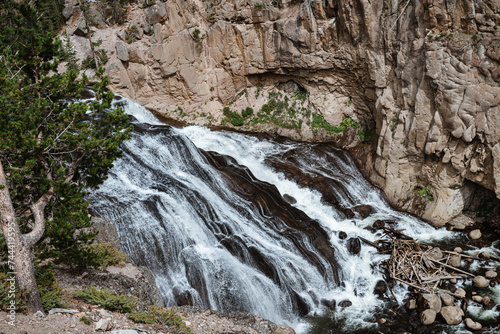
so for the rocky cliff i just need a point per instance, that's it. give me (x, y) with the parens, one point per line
(410, 87)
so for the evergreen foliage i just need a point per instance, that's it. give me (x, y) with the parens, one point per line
(52, 144)
(50, 14)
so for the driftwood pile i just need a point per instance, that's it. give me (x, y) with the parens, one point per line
(420, 267)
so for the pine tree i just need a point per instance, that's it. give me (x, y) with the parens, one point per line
(51, 149)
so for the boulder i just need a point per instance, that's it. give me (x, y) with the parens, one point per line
(121, 51)
(345, 303)
(105, 314)
(102, 325)
(480, 282)
(452, 315)
(289, 199)
(156, 13)
(331, 304)
(475, 234)
(80, 28)
(183, 298)
(471, 324)
(353, 245)
(447, 299)
(380, 288)
(490, 274)
(427, 317)
(68, 10)
(363, 210)
(342, 235)
(431, 301)
(96, 18)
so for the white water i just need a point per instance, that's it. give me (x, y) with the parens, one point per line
(174, 211)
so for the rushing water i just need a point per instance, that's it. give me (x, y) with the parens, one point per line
(209, 213)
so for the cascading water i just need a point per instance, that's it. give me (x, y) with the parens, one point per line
(209, 213)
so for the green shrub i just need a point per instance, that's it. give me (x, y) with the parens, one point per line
(107, 299)
(86, 320)
(161, 316)
(131, 34)
(232, 117)
(106, 254)
(247, 112)
(50, 293)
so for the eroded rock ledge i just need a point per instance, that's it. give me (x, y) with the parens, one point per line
(423, 74)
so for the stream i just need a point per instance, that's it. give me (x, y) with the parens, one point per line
(243, 223)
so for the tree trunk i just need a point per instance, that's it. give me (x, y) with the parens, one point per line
(19, 250)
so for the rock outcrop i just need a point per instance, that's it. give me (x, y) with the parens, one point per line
(422, 75)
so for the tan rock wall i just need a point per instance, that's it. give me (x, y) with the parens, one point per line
(424, 73)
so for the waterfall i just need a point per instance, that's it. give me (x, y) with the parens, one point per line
(240, 223)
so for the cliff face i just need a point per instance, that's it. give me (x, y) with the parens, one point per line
(424, 74)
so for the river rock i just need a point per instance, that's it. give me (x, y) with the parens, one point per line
(411, 304)
(436, 253)
(331, 304)
(447, 299)
(431, 301)
(458, 250)
(380, 288)
(475, 234)
(490, 274)
(102, 325)
(289, 199)
(452, 315)
(471, 324)
(480, 282)
(427, 317)
(486, 301)
(460, 292)
(342, 235)
(477, 299)
(364, 210)
(353, 245)
(455, 260)
(453, 280)
(345, 303)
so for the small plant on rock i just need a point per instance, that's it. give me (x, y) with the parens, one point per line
(131, 34)
(424, 193)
